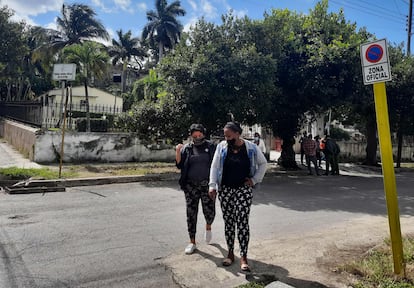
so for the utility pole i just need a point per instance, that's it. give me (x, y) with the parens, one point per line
(403, 112)
(410, 18)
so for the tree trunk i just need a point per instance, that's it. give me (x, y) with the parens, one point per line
(123, 80)
(160, 51)
(287, 157)
(371, 149)
(20, 86)
(400, 141)
(9, 88)
(88, 116)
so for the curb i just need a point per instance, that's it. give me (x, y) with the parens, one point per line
(59, 185)
(44, 186)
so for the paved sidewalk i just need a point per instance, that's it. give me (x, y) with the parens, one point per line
(10, 157)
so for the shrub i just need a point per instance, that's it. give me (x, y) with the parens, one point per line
(339, 134)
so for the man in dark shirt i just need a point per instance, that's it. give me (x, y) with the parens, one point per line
(331, 152)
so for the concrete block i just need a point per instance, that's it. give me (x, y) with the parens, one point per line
(278, 284)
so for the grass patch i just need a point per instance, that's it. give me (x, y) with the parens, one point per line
(127, 169)
(15, 173)
(375, 268)
(146, 168)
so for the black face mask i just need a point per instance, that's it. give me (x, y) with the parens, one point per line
(231, 142)
(199, 141)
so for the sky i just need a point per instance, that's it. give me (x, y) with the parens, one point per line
(385, 18)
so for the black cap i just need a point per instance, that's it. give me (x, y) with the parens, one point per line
(197, 127)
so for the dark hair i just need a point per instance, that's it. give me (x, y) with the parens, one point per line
(197, 127)
(234, 126)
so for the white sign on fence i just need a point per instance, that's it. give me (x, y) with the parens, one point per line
(64, 72)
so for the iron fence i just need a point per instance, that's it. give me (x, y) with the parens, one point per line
(47, 115)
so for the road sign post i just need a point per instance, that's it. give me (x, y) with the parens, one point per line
(63, 73)
(376, 70)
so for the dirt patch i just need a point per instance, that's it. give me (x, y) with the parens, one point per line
(322, 256)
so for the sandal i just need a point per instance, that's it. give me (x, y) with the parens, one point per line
(245, 267)
(227, 261)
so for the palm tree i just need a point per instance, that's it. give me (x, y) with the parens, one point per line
(37, 66)
(124, 50)
(77, 24)
(91, 60)
(163, 27)
(152, 86)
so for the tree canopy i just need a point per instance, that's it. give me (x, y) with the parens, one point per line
(268, 71)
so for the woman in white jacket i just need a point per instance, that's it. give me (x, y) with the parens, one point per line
(237, 166)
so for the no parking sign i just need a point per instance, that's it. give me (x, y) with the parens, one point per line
(375, 62)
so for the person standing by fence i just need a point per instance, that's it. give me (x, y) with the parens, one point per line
(331, 152)
(318, 151)
(302, 152)
(309, 148)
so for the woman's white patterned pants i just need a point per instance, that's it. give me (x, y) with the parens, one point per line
(235, 205)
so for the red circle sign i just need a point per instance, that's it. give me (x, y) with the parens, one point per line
(374, 53)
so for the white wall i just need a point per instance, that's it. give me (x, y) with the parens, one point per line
(96, 147)
(96, 96)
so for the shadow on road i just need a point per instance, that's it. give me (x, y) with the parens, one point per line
(261, 272)
(350, 192)
(355, 194)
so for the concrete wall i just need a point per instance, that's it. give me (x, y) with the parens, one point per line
(97, 147)
(45, 146)
(357, 149)
(354, 149)
(22, 137)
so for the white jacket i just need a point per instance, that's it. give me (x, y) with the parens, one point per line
(258, 163)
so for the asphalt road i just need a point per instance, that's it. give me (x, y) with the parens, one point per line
(117, 235)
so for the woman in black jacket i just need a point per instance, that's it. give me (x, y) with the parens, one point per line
(194, 161)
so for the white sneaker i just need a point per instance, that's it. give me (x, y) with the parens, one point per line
(190, 248)
(208, 236)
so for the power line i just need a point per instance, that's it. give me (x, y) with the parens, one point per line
(378, 8)
(390, 18)
(398, 8)
(391, 15)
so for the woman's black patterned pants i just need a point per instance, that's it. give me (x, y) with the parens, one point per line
(235, 205)
(193, 194)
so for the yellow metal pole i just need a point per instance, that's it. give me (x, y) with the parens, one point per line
(390, 186)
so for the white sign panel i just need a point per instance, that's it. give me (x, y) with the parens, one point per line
(64, 72)
(375, 62)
